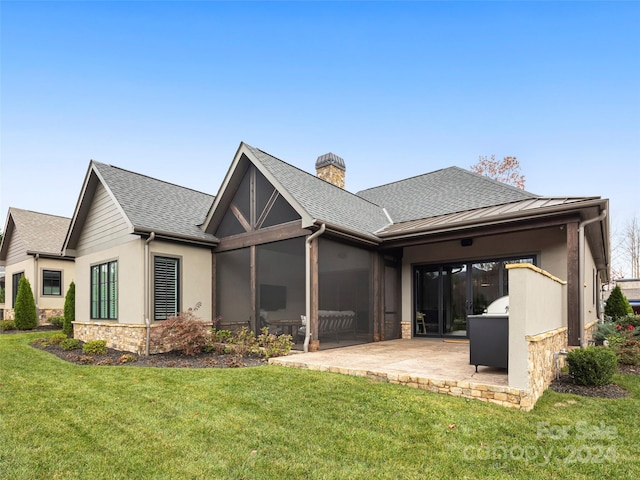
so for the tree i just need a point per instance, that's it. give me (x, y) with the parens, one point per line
(25, 314)
(617, 304)
(506, 170)
(631, 245)
(69, 310)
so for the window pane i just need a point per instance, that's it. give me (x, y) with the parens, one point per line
(165, 288)
(264, 189)
(113, 290)
(229, 226)
(15, 284)
(95, 289)
(51, 282)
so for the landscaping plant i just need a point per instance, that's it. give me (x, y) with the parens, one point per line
(592, 365)
(617, 305)
(7, 325)
(69, 310)
(26, 316)
(95, 347)
(57, 321)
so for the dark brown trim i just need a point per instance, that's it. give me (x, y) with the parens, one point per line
(254, 296)
(214, 289)
(238, 214)
(266, 235)
(573, 284)
(314, 299)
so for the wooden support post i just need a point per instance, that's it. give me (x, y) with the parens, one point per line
(573, 284)
(314, 344)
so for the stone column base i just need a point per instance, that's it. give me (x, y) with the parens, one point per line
(405, 329)
(314, 345)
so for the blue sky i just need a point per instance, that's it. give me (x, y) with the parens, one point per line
(169, 89)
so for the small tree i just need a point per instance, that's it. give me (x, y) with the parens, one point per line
(25, 314)
(69, 310)
(617, 304)
(1, 295)
(506, 170)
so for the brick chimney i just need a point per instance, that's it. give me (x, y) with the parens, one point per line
(331, 168)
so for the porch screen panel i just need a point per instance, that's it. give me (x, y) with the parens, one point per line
(344, 283)
(165, 288)
(233, 287)
(281, 285)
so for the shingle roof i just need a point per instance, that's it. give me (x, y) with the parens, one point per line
(441, 192)
(153, 204)
(322, 200)
(40, 232)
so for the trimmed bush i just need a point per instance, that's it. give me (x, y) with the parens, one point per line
(69, 310)
(57, 338)
(56, 321)
(7, 325)
(95, 347)
(26, 316)
(185, 333)
(592, 365)
(70, 344)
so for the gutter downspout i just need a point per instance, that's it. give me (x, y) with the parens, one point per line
(35, 283)
(310, 238)
(581, 252)
(147, 294)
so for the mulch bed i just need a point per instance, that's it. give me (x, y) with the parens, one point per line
(162, 360)
(565, 384)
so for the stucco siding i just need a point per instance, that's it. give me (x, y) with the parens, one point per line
(25, 266)
(130, 258)
(590, 286)
(68, 275)
(104, 226)
(195, 275)
(549, 245)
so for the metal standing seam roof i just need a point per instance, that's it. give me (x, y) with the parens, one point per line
(441, 192)
(322, 200)
(40, 232)
(535, 205)
(155, 205)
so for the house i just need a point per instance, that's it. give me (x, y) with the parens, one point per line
(630, 288)
(141, 256)
(437, 243)
(297, 253)
(31, 247)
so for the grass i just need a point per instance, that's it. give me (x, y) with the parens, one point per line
(59, 420)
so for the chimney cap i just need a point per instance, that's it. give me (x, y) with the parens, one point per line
(330, 159)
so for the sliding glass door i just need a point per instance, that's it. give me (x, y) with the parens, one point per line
(446, 294)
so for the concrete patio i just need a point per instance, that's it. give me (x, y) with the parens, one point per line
(435, 365)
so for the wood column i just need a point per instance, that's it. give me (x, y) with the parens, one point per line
(314, 343)
(214, 306)
(573, 284)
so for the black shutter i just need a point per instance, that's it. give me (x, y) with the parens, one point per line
(165, 288)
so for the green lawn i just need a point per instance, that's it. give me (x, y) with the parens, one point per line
(59, 420)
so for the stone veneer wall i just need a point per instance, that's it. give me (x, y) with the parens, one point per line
(44, 314)
(589, 330)
(332, 174)
(542, 362)
(119, 336)
(405, 329)
(498, 394)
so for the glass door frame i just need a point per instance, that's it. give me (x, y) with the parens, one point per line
(444, 268)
